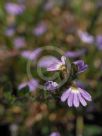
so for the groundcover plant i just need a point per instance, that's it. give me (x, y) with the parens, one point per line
(50, 68)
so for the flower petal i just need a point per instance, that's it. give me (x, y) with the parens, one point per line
(65, 95)
(33, 84)
(70, 100)
(22, 85)
(82, 101)
(76, 100)
(47, 61)
(53, 67)
(86, 95)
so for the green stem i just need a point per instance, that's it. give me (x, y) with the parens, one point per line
(79, 125)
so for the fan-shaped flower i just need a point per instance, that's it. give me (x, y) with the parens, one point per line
(59, 65)
(47, 61)
(74, 96)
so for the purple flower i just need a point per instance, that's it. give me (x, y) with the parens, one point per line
(32, 84)
(75, 54)
(85, 37)
(19, 42)
(59, 65)
(47, 61)
(74, 96)
(81, 65)
(14, 9)
(40, 29)
(51, 86)
(55, 134)
(31, 55)
(99, 42)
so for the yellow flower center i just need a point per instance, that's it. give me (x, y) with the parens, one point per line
(62, 67)
(74, 90)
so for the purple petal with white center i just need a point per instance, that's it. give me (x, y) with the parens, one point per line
(82, 101)
(70, 100)
(75, 100)
(65, 95)
(85, 95)
(46, 62)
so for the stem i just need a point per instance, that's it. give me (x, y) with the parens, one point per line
(79, 125)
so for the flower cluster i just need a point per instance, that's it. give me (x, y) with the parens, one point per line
(74, 95)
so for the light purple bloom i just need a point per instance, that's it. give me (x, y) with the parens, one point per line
(32, 84)
(99, 42)
(59, 65)
(31, 55)
(40, 29)
(14, 9)
(74, 96)
(55, 134)
(81, 65)
(85, 37)
(51, 86)
(19, 42)
(47, 61)
(75, 54)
